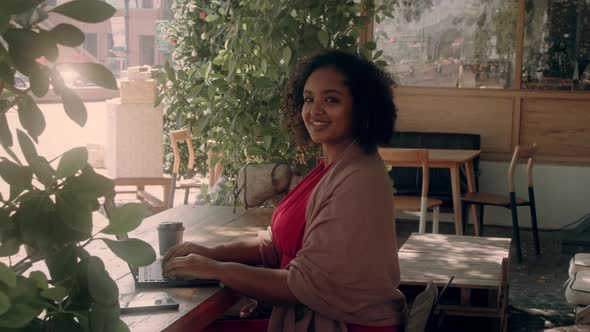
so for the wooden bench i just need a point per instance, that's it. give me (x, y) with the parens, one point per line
(479, 266)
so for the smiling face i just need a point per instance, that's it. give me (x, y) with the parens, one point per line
(327, 108)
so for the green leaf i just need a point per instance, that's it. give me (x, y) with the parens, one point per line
(4, 303)
(31, 117)
(74, 106)
(18, 6)
(71, 162)
(211, 17)
(264, 83)
(9, 247)
(33, 219)
(103, 318)
(4, 20)
(57, 293)
(88, 11)
(39, 77)
(14, 175)
(67, 35)
(5, 134)
(381, 63)
(49, 45)
(125, 218)
(96, 73)
(287, 54)
(267, 142)
(27, 147)
(74, 212)
(7, 75)
(370, 45)
(7, 276)
(121, 326)
(40, 279)
(100, 284)
(25, 43)
(378, 54)
(19, 315)
(323, 38)
(89, 185)
(134, 251)
(5, 222)
(61, 265)
(45, 173)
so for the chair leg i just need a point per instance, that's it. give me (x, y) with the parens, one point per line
(515, 228)
(534, 221)
(172, 191)
(464, 216)
(480, 219)
(435, 219)
(186, 195)
(423, 212)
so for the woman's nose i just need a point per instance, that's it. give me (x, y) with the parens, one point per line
(317, 108)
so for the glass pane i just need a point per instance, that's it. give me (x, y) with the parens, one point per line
(557, 45)
(450, 43)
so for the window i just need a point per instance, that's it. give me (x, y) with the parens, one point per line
(556, 52)
(451, 43)
(110, 42)
(146, 49)
(90, 44)
(147, 3)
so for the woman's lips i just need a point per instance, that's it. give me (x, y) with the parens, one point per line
(319, 124)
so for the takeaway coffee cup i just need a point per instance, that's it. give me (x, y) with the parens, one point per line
(169, 235)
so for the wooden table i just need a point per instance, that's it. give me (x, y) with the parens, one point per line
(479, 266)
(153, 203)
(208, 225)
(453, 160)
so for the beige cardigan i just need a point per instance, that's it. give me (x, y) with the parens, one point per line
(347, 270)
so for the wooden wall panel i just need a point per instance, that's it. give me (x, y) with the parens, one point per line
(489, 115)
(561, 127)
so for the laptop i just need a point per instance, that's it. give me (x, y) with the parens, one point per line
(151, 276)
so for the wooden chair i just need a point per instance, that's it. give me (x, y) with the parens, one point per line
(415, 203)
(511, 202)
(186, 184)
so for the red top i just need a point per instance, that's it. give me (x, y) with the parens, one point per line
(288, 225)
(288, 219)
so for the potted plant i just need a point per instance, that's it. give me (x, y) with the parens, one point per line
(50, 204)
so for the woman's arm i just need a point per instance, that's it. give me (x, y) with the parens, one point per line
(268, 285)
(261, 283)
(245, 251)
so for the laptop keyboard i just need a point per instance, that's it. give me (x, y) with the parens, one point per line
(152, 272)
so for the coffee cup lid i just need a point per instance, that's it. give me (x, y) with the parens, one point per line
(171, 225)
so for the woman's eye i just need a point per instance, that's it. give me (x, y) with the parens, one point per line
(307, 100)
(331, 100)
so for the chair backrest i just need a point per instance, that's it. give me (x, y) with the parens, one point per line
(422, 309)
(176, 137)
(411, 157)
(522, 153)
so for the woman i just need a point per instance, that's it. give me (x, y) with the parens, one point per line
(330, 255)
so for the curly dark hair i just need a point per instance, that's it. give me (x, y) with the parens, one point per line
(373, 112)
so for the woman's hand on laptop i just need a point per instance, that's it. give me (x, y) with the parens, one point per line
(192, 265)
(184, 249)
